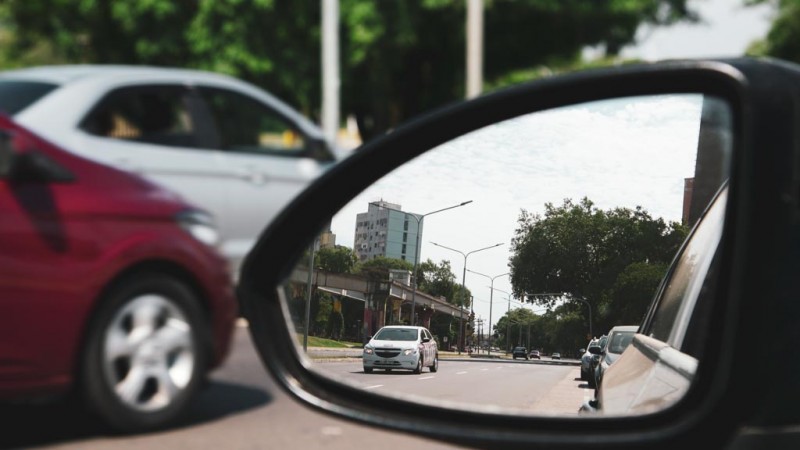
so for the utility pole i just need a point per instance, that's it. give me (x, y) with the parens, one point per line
(330, 69)
(474, 48)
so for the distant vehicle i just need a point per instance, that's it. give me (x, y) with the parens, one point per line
(111, 287)
(555, 355)
(401, 347)
(519, 352)
(221, 143)
(535, 354)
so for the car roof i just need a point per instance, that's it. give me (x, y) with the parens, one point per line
(407, 327)
(628, 328)
(65, 74)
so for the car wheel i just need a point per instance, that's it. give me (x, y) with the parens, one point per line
(367, 369)
(418, 369)
(144, 356)
(435, 365)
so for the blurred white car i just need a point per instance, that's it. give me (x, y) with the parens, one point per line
(219, 142)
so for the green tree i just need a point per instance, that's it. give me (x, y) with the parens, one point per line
(783, 39)
(632, 292)
(440, 281)
(379, 267)
(519, 326)
(581, 250)
(398, 58)
(338, 259)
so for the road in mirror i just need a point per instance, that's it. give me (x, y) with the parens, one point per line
(513, 246)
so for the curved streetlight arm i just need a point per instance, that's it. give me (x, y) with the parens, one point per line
(463, 285)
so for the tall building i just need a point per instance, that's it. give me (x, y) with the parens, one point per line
(386, 230)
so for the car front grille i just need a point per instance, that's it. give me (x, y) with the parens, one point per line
(387, 352)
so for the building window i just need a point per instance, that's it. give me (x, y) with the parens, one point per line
(404, 249)
(405, 226)
(405, 237)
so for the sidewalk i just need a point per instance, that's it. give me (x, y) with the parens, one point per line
(566, 397)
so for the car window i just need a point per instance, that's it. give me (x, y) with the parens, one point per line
(675, 307)
(619, 342)
(155, 115)
(245, 125)
(396, 334)
(18, 95)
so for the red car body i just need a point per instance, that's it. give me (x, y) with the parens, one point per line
(62, 244)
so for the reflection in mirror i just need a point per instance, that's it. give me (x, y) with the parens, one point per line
(513, 243)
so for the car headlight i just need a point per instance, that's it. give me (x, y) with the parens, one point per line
(409, 351)
(368, 350)
(200, 225)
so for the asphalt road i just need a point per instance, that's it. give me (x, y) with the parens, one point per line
(243, 409)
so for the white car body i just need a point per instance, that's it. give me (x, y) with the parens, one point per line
(244, 190)
(383, 352)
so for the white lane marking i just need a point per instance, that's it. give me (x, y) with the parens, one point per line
(241, 322)
(484, 370)
(460, 373)
(373, 387)
(426, 378)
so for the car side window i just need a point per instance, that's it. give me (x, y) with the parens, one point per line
(154, 114)
(245, 125)
(674, 310)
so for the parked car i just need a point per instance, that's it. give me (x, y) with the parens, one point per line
(535, 354)
(555, 355)
(594, 360)
(110, 286)
(401, 347)
(221, 143)
(519, 352)
(619, 337)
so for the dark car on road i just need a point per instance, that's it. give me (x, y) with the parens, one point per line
(519, 352)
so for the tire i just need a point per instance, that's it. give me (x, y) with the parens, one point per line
(367, 369)
(435, 366)
(146, 353)
(418, 369)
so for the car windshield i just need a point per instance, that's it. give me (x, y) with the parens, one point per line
(396, 334)
(18, 95)
(619, 342)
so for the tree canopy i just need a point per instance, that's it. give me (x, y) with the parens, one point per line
(339, 259)
(612, 258)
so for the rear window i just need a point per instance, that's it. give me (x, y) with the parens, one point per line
(18, 95)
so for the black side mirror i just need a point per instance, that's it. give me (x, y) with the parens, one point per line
(595, 350)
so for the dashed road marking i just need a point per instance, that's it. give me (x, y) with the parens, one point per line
(373, 387)
(426, 378)
(484, 370)
(241, 322)
(460, 373)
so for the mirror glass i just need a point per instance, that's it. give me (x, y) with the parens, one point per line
(530, 239)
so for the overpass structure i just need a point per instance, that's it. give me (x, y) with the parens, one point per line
(386, 302)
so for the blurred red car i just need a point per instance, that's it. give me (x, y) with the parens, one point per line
(110, 287)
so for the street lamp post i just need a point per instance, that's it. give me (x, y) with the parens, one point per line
(419, 219)
(463, 286)
(491, 295)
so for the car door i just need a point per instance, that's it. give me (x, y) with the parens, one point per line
(657, 368)
(272, 161)
(155, 130)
